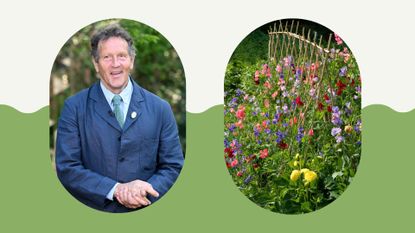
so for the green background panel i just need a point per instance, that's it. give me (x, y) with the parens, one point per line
(204, 198)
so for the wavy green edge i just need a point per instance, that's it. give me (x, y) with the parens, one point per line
(204, 198)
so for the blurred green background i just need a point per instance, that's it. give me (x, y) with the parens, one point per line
(157, 68)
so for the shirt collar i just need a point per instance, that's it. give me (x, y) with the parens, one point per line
(125, 94)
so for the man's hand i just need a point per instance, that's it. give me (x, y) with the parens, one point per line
(134, 194)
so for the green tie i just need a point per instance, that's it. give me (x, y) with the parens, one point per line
(116, 101)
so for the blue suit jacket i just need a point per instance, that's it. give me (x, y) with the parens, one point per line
(93, 152)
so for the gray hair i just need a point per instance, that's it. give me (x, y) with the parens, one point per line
(104, 34)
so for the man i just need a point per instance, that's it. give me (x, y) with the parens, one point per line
(117, 145)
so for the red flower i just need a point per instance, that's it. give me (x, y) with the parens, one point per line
(293, 121)
(255, 165)
(341, 86)
(320, 106)
(228, 165)
(263, 153)
(283, 145)
(229, 151)
(326, 97)
(329, 109)
(240, 173)
(298, 101)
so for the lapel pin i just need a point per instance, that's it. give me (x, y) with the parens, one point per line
(133, 115)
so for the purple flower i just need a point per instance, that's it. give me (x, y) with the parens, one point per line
(239, 92)
(358, 126)
(285, 108)
(335, 131)
(343, 71)
(339, 138)
(225, 143)
(300, 134)
(256, 132)
(248, 179)
(280, 136)
(232, 127)
(335, 116)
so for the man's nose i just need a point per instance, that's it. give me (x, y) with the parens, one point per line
(115, 62)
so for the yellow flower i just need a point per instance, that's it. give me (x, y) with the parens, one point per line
(348, 128)
(297, 156)
(309, 176)
(296, 163)
(295, 174)
(304, 170)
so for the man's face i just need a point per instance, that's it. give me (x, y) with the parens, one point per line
(114, 63)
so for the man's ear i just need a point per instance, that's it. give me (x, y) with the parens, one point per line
(132, 63)
(95, 65)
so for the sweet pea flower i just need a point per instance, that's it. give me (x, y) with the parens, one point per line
(263, 153)
(338, 40)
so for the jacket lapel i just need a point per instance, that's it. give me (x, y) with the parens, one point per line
(101, 106)
(136, 106)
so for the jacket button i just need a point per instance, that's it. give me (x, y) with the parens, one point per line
(121, 159)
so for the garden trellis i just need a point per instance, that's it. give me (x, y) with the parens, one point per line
(286, 41)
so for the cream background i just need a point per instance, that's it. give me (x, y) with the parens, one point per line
(205, 33)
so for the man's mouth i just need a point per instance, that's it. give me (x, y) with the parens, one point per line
(116, 73)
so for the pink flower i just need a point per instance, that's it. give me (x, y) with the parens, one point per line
(256, 77)
(278, 69)
(287, 61)
(267, 85)
(263, 153)
(239, 124)
(258, 127)
(338, 40)
(314, 67)
(264, 69)
(256, 74)
(234, 163)
(311, 132)
(274, 94)
(240, 114)
(266, 103)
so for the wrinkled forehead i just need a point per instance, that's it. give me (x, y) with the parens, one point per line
(112, 38)
(113, 43)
